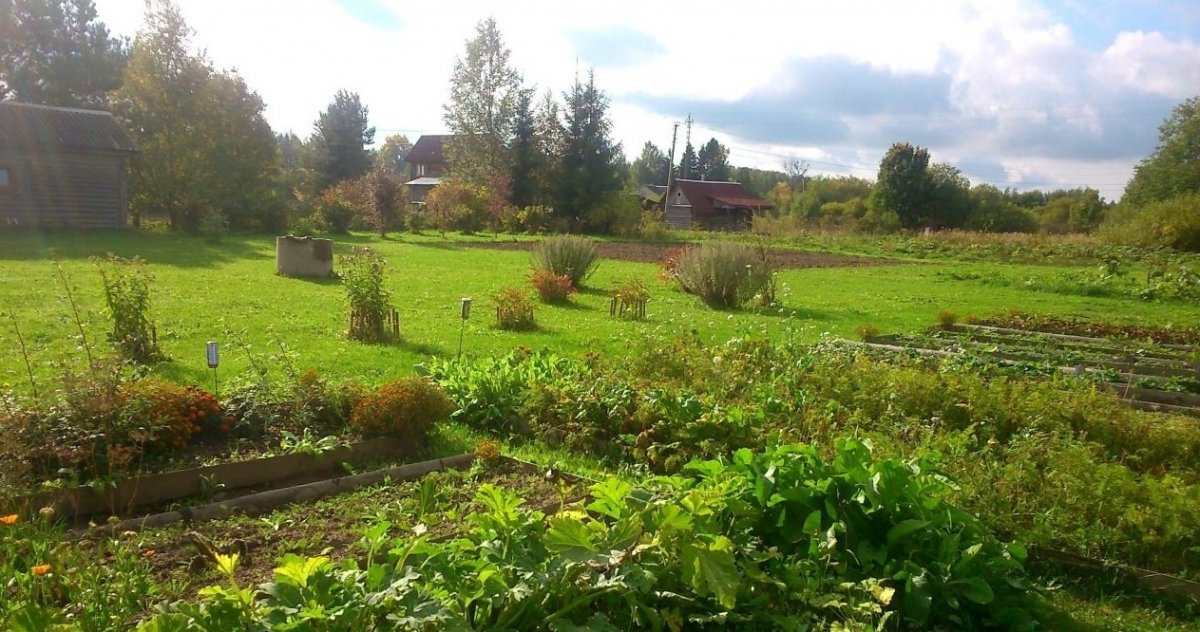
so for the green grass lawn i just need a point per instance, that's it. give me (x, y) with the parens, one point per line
(205, 290)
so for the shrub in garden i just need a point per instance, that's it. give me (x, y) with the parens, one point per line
(406, 409)
(552, 288)
(167, 417)
(567, 255)
(127, 294)
(946, 319)
(631, 297)
(362, 276)
(724, 275)
(514, 311)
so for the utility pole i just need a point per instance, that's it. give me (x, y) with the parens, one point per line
(670, 167)
(689, 122)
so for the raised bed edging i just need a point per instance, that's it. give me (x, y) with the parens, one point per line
(128, 494)
(268, 500)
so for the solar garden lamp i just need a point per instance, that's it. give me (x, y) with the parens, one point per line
(465, 314)
(214, 358)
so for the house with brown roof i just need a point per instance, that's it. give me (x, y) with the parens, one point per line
(62, 167)
(711, 205)
(427, 165)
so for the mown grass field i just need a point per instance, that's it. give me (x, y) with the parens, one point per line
(228, 291)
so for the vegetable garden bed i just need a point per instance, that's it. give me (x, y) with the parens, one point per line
(1146, 375)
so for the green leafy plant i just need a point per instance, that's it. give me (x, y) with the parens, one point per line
(407, 409)
(630, 299)
(370, 310)
(514, 311)
(127, 294)
(571, 256)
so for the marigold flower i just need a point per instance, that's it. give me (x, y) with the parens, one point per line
(40, 569)
(8, 520)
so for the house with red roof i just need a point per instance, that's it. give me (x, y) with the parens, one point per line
(711, 205)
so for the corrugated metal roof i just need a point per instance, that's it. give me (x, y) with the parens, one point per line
(30, 126)
(702, 193)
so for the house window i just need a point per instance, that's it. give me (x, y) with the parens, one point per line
(4, 179)
(420, 171)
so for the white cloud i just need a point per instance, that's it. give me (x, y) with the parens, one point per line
(1149, 62)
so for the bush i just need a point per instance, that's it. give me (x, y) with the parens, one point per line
(514, 311)
(127, 293)
(631, 297)
(552, 288)
(327, 406)
(724, 275)
(406, 409)
(362, 275)
(567, 255)
(168, 417)
(1173, 223)
(335, 216)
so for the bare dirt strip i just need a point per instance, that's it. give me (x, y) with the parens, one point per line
(642, 252)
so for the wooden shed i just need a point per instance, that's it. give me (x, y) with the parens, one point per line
(711, 205)
(62, 167)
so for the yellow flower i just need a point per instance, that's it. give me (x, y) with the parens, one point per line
(40, 569)
(8, 520)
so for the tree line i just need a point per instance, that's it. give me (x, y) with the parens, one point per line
(520, 158)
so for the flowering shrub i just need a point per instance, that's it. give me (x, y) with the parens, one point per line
(405, 409)
(167, 417)
(551, 287)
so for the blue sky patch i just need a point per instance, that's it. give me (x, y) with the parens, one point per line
(614, 46)
(371, 12)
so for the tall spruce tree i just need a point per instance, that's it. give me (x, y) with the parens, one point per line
(56, 52)
(482, 111)
(713, 161)
(340, 139)
(592, 163)
(689, 163)
(526, 154)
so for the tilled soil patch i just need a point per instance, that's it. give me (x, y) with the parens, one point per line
(641, 252)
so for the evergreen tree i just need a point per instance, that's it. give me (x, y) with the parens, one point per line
(482, 111)
(713, 161)
(527, 156)
(592, 163)
(689, 163)
(56, 52)
(340, 139)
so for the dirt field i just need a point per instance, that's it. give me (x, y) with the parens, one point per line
(653, 253)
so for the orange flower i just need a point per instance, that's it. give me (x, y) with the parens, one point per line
(8, 520)
(40, 569)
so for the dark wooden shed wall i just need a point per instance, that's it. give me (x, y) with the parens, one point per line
(67, 188)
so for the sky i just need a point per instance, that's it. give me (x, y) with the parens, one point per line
(1016, 93)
